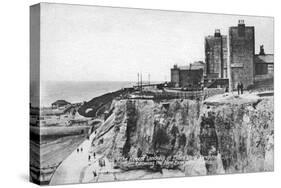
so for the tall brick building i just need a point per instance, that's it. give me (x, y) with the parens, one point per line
(216, 55)
(242, 51)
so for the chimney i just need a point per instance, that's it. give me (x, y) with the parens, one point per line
(217, 33)
(241, 22)
(262, 50)
(241, 28)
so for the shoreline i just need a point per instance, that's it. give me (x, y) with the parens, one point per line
(51, 88)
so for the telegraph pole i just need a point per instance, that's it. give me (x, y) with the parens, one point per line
(138, 81)
(141, 81)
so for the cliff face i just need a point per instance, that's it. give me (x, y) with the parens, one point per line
(242, 135)
(207, 138)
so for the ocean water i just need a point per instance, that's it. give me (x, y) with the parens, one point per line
(77, 91)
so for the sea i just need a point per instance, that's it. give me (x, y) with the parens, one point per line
(77, 91)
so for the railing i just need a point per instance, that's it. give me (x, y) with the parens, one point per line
(263, 77)
(174, 94)
(209, 92)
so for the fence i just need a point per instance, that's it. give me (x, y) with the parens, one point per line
(209, 92)
(202, 94)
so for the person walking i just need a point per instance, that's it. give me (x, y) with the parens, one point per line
(238, 88)
(241, 88)
(94, 173)
(89, 158)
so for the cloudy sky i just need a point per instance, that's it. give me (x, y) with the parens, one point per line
(88, 43)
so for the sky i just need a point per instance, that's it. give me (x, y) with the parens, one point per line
(88, 43)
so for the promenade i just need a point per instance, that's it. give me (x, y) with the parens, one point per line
(78, 168)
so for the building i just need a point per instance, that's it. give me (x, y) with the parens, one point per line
(264, 64)
(199, 65)
(242, 52)
(216, 55)
(175, 76)
(188, 77)
(229, 60)
(191, 78)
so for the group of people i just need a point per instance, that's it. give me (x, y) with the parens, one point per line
(240, 88)
(95, 174)
(89, 157)
(79, 149)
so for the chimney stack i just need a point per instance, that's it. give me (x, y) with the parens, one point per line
(241, 28)
(241, 22)
(217, 33)
(262, 50)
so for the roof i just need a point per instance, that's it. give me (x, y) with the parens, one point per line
(193, 66)
(196, 63)
(192, 70)
(183, 67)
(268, 58)
(212, 37)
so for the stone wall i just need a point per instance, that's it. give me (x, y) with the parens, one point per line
(191, 78)
(209, 92)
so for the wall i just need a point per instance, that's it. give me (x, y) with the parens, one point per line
(261, 68)
(191, 78)
(209, 92)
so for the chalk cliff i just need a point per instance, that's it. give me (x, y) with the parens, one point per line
(215, 136)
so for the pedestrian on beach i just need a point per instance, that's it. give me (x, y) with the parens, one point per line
(77, 150)
(81, 149)
(241, 88)
(89, 158)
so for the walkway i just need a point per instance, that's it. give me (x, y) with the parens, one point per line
(77, 168)
(69, 171)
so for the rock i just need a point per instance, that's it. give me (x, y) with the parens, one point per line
(196, 167)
